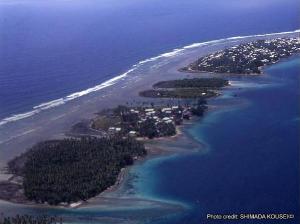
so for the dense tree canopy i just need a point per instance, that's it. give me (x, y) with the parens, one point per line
(70, 170)
(193, 83)
(27, 219)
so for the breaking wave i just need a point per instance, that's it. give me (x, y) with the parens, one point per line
(54, 103)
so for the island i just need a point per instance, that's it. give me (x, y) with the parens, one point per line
(92, 155)
(89, 161)
(71, 170)
(186, 88)
(146, 122)
(246, 58)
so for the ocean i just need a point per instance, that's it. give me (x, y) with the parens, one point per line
(52, 49)
(252, 162)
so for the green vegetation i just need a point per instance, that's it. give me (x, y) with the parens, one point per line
(70, 170)
(27, 219)
(123, 120)
(246, 58)
(104, 122)
(151, 122)
(150, 129)
(178, 93)
(198, 110)
(204, 83)
(186, 88)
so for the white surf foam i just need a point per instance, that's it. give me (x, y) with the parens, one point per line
(110, 82)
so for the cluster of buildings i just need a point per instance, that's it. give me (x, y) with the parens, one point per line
(166, 114)
(158, 120)
(248, 58)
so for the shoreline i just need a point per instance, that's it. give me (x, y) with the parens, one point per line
(262, 69)
(57, 102)
(124, 173)
(154, 148)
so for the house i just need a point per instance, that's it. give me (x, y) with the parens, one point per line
(149, 110)
(132, 133)
(134, 111)
(111, 130)
(166, 119)
(166, 109)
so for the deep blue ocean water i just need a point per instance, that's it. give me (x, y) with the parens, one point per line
(49, 49)
(252, 162)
